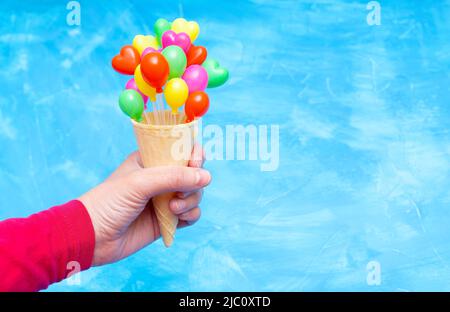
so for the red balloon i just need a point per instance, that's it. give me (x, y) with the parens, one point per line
(196, 55)
(197, 105)
(155, 70)
(127, 61)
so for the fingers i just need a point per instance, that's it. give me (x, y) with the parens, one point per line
(134, 162)
(179, 206)
(197, 160)
(187, 208)
(197, 156)
(149, 182)
(190, 217)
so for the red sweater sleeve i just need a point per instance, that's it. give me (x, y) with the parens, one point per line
(35, 251)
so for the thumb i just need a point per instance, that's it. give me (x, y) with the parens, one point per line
(149, 182)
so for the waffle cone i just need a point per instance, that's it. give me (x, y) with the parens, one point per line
(162, 145)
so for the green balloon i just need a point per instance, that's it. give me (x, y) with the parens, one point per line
(177, 60)
(132, 104)
(217, 75)
(161, 26)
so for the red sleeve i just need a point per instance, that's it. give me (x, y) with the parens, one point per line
(35, 251)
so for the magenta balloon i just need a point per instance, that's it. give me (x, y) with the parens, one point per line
(147, 51)
(181, 39)
(131, 84)
(196, 78)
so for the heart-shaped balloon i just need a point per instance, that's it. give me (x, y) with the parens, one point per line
(191, 28)
(127, 61)
(171, 38)
(196, 55)
(141, 42)
(217, 75)
(161, 26)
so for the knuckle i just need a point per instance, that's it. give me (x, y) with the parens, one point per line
(133, 156)
(198, 197)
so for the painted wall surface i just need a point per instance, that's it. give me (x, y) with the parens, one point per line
(361, 195)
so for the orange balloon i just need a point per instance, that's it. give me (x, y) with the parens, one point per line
(155, 70)
(127, 61)
(196, 55)
(197, 105)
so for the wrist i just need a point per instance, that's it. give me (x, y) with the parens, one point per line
(87, 201)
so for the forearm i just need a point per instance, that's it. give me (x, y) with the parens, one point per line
(35, 251)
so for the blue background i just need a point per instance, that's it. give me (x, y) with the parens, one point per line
(364, 140)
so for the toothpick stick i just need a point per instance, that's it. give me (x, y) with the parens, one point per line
(161, 107)
(155, 113)
(145, 116)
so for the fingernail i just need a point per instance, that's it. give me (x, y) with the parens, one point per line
(177, 205)
(202, 177)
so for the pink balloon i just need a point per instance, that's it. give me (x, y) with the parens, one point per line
(181, 39)
(147, 51)
(196, 78)
(131, 84)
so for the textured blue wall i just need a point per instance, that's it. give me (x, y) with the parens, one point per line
(364, 152)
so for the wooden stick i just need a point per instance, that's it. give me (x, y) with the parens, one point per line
(161, 107)
(146, 117)
(155, 114)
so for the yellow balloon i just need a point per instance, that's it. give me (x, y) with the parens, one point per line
(176, 93)
(143, 86)
(141, 42)
(191, 28)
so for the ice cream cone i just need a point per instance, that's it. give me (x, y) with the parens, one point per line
(161, 145)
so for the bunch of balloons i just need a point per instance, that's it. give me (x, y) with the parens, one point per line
(170, 64)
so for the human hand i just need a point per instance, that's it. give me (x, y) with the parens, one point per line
(121, 209)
